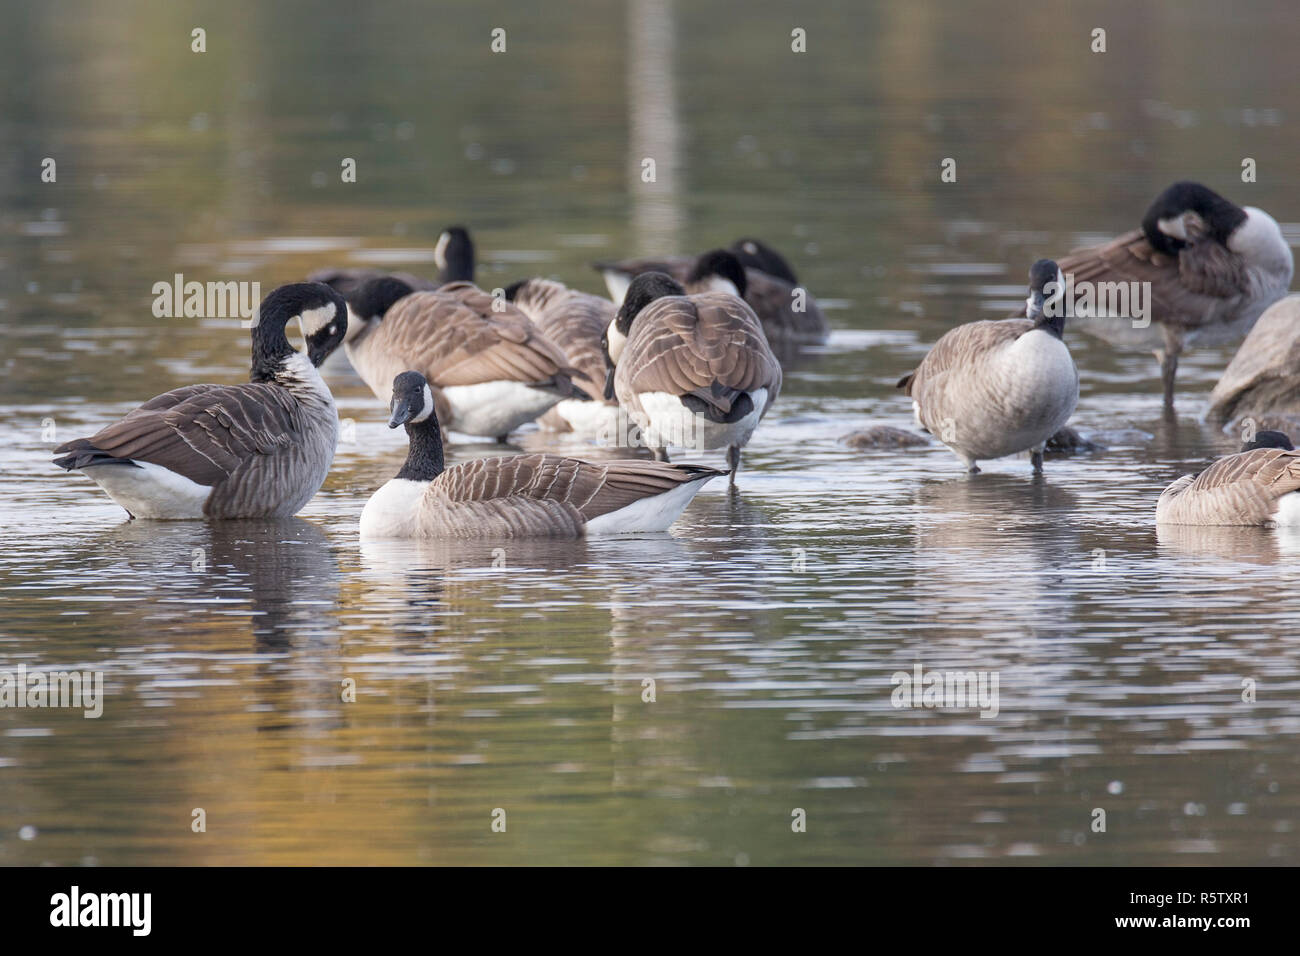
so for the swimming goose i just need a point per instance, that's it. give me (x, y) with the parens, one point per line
(1259, 485)
(453, 255)
(692, 370)
(518, 496)
(1212, 267)
(491, 369)
(575, 321)
(1263, 378)
(993, 388)
(256, 450)
(789, 313)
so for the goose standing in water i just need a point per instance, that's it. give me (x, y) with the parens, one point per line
(491, 369)
(692, 370)
(1259, 485)
(576, 322)
(518, 496)
(789, 313)
(993, 388)
(258, 450)
(1212, 268)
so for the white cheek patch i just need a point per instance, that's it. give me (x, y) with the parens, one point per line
(440, 250)
(616, 341)
(314, 319)
(427, 409)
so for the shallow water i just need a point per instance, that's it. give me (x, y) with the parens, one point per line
(512, 676)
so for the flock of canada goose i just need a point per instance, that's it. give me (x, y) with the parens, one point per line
(683, 350)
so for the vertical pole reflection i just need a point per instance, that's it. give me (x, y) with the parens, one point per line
(654, 127)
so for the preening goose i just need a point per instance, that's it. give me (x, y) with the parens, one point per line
(789, 313)
(993, 388)
(519, 496)
(490, 367)
(575, 321)
(1212, 268)
(692, 370)
(453, 255)
(1263, 378)
(256, 450)
(1258, 486)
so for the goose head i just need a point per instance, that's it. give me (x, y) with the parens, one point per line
(1269, 439)
(319, 309)
(754, 254)
(412, 406)
(454, 255)
(1046, 290)
(643, 290)
(412, 400)
(720, 271)
(1187, 212)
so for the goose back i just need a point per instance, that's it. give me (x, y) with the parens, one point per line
(708, 346)
(455, 337)
(575, 322)
(1241, 489)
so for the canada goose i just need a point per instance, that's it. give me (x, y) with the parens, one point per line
(1212, 268)
(575, 321)
(692, 370)
(1259, 485)
(993, 388)
(453, 255)
(256, 450)
(491, 369)
(789, 313)
(517, 496)
(1263, 378)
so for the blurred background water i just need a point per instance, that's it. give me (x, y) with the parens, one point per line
(772, 621)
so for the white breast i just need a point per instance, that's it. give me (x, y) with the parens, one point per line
(391, 511)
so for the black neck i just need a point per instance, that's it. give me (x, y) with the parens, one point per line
(270, 347)
(459, 267)
(1055, 324)
(424, 461)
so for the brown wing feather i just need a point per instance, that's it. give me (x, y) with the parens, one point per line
(455, 336)
(203, 432)
(957, 347)
(592, 488)
(773, 301)
(574, 321)
(1239, 489)
(710, 345)
(1184, 288)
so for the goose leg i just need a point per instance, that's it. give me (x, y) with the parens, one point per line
(1036, 459)
(733, 461)
(502, 439)
(1168, 358)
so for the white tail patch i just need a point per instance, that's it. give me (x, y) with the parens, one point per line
(151, 491)
(647, 515)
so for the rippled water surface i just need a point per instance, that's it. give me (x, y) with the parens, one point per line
(515, 677)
